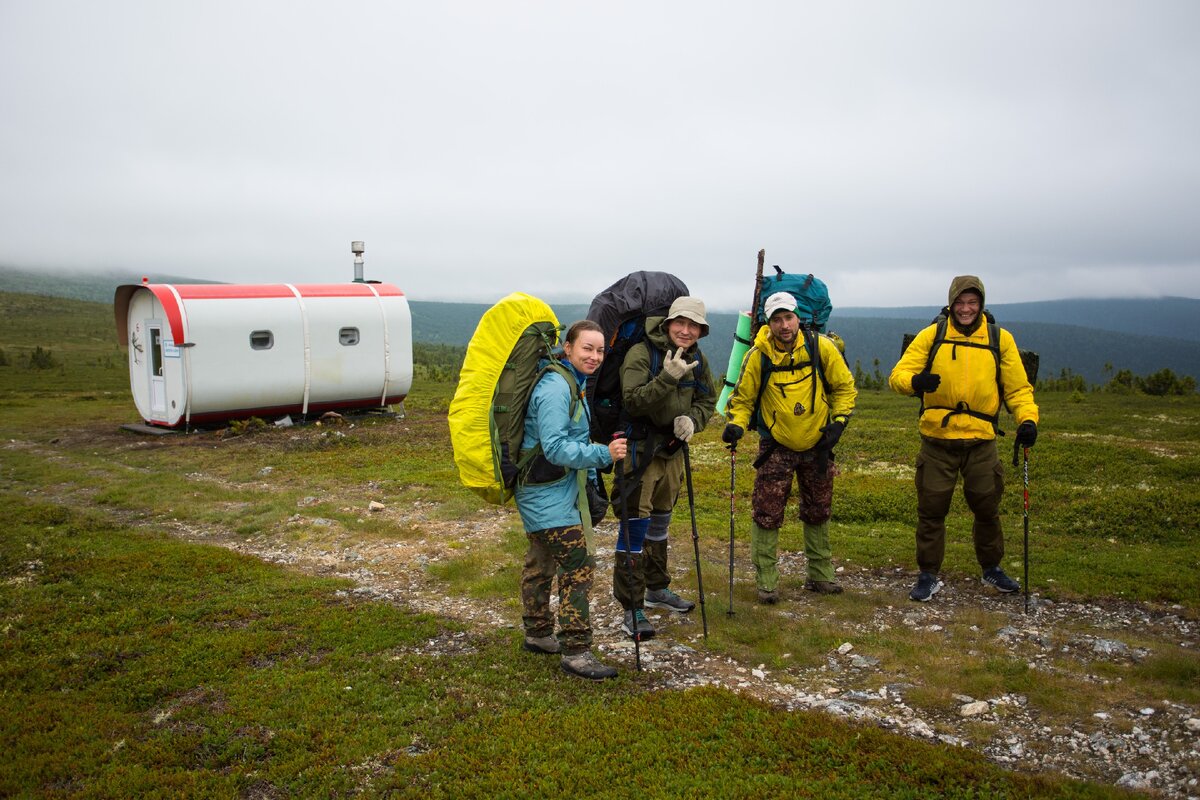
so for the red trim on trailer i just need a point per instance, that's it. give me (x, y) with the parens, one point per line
(226, 291)
(292, 408)
(171, 309)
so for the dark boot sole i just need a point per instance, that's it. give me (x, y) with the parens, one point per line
(646, 635)
(670, 607)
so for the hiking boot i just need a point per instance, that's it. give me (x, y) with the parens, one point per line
(768, 597)
(823, 587)
(644, 629)
(927, 586)
(541, 644)
(665, 598)
(996, 577)
(586, 665)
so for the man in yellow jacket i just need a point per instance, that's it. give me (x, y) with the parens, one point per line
(801, 415)
(971, 374)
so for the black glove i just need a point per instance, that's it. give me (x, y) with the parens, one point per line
(732, 433)
(925, 382)
(597, 498)
(1027, 433)
(830, 435)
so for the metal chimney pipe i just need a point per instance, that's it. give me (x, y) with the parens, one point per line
(358, 248)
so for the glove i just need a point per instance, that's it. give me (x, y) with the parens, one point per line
(925, 382)
(830, 435)
(675, 365)
(684, 428)
(1027, 433)
(597, 498)
(732, 433)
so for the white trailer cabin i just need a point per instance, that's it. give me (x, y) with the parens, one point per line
(202, 353)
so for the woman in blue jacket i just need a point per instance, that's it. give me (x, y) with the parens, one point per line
(550, 502)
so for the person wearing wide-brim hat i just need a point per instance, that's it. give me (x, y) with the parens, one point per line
(668, 393)
(801, 414)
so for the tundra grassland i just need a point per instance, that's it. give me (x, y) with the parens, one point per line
(137, 663)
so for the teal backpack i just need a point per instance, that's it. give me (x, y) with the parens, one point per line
(812, 298)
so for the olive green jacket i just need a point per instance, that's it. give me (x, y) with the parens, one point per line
(659, 399)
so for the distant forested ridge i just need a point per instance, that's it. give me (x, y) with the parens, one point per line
(1083, 350)
(1084, 336)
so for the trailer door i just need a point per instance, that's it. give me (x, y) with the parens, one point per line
(158, 384)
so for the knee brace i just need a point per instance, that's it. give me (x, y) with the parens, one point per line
(631, 538)
(660, 522)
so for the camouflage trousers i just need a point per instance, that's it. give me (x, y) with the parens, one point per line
(561, 553)
(773, 487)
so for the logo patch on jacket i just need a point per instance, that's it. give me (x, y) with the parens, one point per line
(799, 409)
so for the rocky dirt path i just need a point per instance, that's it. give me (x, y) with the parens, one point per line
(1154, 745)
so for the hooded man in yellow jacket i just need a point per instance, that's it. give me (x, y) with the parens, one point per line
(961, 404)
(801, 416)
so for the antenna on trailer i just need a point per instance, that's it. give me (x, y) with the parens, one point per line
(358, 248)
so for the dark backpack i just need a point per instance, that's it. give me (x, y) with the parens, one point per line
(621, 311)
(1029, 359)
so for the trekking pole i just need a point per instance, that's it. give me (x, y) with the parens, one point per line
(619, 468)
(732, 473)
(687, 471)
(1026, 546)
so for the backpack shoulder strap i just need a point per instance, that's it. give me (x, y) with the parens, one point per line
(527, 456)
(993, 331)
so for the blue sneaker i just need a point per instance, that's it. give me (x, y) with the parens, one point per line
(927, 586)
(996, 577)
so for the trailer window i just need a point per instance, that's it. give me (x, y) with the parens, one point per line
(156, 353)
(348, 336)
(261, 340)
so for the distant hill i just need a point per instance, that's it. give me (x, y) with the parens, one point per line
(1140, 335)
(95, 286)
(1174, 317)
(1084, 350)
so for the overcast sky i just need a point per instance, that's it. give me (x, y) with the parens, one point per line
(1052, 148)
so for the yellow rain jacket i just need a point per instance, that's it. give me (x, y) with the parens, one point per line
(788, 411)
(968, 382)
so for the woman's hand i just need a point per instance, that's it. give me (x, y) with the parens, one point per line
(617, 449)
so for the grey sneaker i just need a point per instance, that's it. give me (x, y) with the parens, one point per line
(768, 597)
(541, 644)
(644, 629)
(927, 586)
(665, 598)
(996, 577)
(586, 665)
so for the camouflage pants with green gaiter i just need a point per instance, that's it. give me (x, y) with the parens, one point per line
(561, 553)
(939, 464)
(772, 488)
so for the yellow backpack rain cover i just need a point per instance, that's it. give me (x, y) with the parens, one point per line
(497, 377)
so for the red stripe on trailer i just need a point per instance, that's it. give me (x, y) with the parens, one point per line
(290, 408)
(220, 291)
(162, 292)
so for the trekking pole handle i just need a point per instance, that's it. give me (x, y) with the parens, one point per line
(616, 437)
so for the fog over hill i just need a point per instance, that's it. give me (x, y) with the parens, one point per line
(1141, 335)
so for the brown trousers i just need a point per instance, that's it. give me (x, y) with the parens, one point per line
(939, 464)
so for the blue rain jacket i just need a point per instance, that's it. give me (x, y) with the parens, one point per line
(565, 443)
